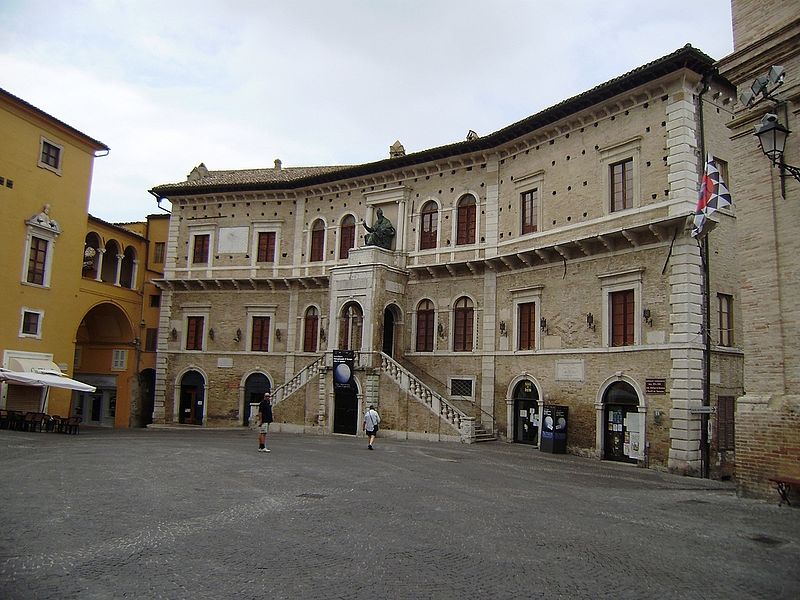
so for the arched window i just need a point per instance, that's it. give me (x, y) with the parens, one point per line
(350, 324)
(425, 326)
(347, 237)
(429, 225)
(467, 211)
(127, 269)
(109, 272)
(91, 255)
(310, 330)
(317, 240)
(463, 318)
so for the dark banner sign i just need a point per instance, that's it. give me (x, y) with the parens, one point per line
(343, 364)
(655, 386)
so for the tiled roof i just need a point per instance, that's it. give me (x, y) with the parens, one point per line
(255, 176)
(295, 177)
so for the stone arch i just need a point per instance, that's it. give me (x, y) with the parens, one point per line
(605, 401)
(127, 272)
(189, 389)
(91, 255)
(252, 387)
(351, 326)
(514, 400)
(109, 270)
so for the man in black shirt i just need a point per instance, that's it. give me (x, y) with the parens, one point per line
(264, 419)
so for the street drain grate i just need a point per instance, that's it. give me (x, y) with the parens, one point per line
(311, 495)
(765, 539)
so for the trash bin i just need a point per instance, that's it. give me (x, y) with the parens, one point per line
(554, 429)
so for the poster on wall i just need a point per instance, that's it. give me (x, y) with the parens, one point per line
(343, 364)
(635, 435)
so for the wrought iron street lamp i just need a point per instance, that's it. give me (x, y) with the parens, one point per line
(772, 138)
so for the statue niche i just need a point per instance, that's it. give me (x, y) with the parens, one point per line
(381, 233)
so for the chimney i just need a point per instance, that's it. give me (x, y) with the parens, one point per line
(396, 150)
(278, 164)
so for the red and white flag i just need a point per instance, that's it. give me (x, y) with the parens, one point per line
(714, 195)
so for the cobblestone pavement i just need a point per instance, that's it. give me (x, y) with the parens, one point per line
(200, 514)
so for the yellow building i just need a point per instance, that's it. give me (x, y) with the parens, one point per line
(116, 337)
(78, 300)
(45, 170)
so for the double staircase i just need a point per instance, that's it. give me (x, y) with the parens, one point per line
(470, 429)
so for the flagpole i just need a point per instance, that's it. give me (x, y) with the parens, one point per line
(704, 446)
(704, 449)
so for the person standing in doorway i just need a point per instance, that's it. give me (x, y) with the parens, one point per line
(371, 420)
(264, 419)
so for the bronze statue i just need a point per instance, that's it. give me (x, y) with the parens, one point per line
(381, 232)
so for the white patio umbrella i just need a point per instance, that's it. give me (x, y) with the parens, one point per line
(45, 380)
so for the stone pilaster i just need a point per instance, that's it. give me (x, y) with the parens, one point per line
(686, 390)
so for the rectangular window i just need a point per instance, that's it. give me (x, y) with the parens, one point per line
(200, 254)
(461, 387)
(155, 300)
(622, 309)
(194, 333)
(30, 323)
(51, 156)
(37, 260)
(722, 167)
(266, 246)
(158, 253)
(527, 326)
(726, 431)
(151, 340)
(260, 335)
(119, 360)
(530, 206)
(725, 312)
(621, 185)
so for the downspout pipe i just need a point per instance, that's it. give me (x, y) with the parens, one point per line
(158, 201)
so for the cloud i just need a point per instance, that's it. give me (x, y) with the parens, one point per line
(240, 83)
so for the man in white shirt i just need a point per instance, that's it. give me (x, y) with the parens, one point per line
(371, 420)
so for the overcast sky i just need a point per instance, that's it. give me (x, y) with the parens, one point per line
(236, 84)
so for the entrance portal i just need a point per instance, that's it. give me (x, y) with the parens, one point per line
(345, 410)
(526, 413)
(192, 399)
(255, 386)
(621, 423)
(388, 331)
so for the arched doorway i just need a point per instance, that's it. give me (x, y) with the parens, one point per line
(192, 399)
(621, 423)
(147, 379)
(105, 357)
(255, 386)
(526, 413)
(389, 320)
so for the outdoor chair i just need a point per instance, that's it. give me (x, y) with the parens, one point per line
(72, 425)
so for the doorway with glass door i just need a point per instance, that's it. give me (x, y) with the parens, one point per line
(526, 413)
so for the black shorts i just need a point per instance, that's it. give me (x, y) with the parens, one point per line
(372, 431)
